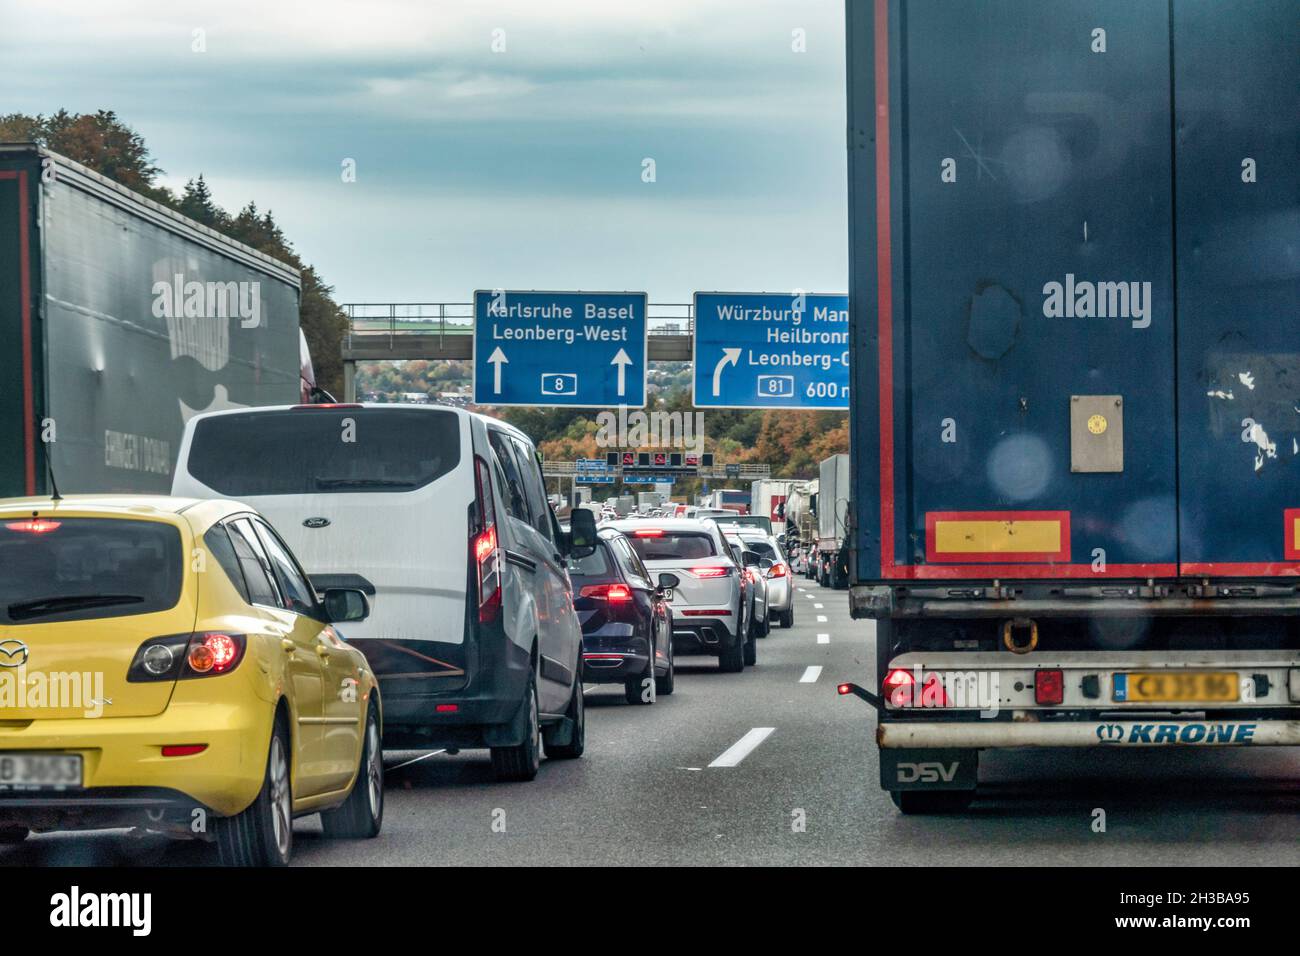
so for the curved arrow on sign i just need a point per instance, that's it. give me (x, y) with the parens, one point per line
(729, 357)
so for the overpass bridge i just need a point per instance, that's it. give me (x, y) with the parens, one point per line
(395, 331)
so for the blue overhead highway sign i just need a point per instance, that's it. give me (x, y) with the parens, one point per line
(584, 349)
(771, 350)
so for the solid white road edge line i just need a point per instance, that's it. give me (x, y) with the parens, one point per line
(742, 748)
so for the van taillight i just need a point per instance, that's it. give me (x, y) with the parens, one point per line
(485, 549)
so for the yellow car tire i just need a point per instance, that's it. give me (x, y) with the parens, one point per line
(361, 816)
(262, 835)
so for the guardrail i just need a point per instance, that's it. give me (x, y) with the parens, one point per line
(569, 469)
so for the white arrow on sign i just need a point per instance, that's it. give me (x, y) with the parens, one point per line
(729, 357)
(497, 359)
(622, 361)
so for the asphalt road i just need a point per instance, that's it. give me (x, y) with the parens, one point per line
(646, 793)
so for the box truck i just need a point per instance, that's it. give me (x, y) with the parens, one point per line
(1075, 415)
(119, 319)
(832, 557)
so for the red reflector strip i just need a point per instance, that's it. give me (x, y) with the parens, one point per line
(183, 750)
(447, 708)
(605, 657)
(704, 612)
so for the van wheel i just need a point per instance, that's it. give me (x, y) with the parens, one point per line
(11, 835)
(362, 814)
(262, 835)
(913, 802)
(577, 713)
(522, 761)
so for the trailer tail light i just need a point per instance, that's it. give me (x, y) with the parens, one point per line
(1049, 687)
(484, 546)
(710, 572)
(897, 679)
(613, 593)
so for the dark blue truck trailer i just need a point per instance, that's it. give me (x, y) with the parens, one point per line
(1075, 288)
(119, 319)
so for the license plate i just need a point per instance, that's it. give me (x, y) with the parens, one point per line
(1175, 686)
(40, 771)
(668, 594)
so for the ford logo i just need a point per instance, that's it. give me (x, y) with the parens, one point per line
(316, 523)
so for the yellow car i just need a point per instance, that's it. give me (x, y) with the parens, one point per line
(165, 663)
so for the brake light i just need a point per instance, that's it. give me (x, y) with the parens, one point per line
(613, 593)
(710, 572)
(213, 653)
(897, 678)
(649, 532)
(485, 548)
(777, 570)
(1049, 687)
(34, 525)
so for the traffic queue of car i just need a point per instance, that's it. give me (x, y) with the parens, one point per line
(323, 582)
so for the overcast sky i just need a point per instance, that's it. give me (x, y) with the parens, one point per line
(474, 168)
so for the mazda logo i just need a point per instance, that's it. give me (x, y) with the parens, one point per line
(316, 523)
(13, 653)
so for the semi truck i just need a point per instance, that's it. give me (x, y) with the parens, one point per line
(1075, 414)
(120, 319)
(833, 509)
(767, 497)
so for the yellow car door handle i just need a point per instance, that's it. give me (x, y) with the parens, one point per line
(287, 645)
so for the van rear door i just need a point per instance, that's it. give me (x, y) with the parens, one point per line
(376, 498)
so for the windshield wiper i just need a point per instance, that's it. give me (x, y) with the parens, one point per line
(363, 483)
(25, 610)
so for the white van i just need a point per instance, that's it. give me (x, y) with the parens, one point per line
(440, 516)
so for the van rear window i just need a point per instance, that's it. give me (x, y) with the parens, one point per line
(71, 569)
(319, 450)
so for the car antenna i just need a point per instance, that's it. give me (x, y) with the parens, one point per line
(54, 488)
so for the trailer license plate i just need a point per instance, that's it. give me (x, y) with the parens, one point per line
(1175, 686)
(39, 771)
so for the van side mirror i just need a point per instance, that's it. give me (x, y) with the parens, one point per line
(582, 533)
(345, 604)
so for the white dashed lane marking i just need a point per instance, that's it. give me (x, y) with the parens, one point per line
(742, 748)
